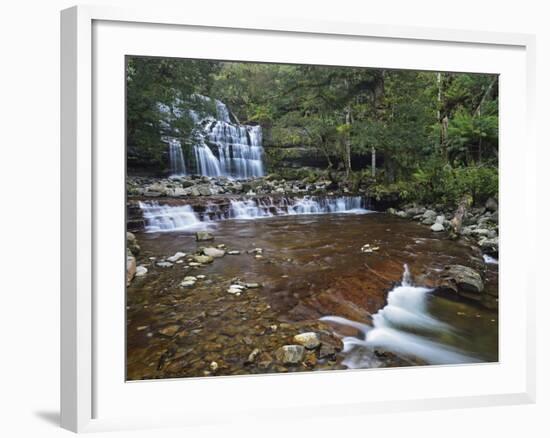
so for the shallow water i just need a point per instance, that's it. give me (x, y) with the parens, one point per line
(312, 267)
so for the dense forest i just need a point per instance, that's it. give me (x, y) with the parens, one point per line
(427, 136)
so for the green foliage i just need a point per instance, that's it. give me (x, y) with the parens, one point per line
(435, 134)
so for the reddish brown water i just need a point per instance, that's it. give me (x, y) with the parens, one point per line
(310, 266)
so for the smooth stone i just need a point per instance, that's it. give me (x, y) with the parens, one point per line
(164, 264)
(309, 340)
(290, 354)
(141, 271)
(213, 252)
(171, 330)
(190, 278)
(233, 252)
(187, 283)
(253, 285)
(176, 257)
(195, 264)
(437, 227)
(204, 259)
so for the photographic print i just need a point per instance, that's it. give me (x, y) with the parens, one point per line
(300, 218)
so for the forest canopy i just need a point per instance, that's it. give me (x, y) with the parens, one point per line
(430, 136)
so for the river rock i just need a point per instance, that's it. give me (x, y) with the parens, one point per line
(290, 354)
(164, 264)
(437, 227)
(213, 252)
(131, 243)
(252, 285)
(141, 271)
(130, 268)
(202, 236)
(491, 205)
(233, 252)
(203, 259)
(428, 217)
(176, 257)
(253, 355)
(461, 280)
(489, 245)
(309, 340)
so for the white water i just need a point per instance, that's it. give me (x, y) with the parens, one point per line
(177, 163)
(490, 260)
(160, 218)
(176, 218)
(222, 147)
(401, 327)
(256, 208)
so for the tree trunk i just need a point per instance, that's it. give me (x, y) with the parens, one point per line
(462, 209)
(347, 141)
(373, 161)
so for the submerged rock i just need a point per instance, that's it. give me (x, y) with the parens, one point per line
(202, 236)
(164, 264)
(309, 340)
(290, 354)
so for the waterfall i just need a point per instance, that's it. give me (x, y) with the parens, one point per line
(255, 208)
(222, 147)
(177, 163)
(402, 327)
(160, 218)
(239, 147)
(175, 218)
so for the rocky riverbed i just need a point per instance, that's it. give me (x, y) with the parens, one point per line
(246, 296)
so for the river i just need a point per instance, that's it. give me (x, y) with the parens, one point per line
(314, 269)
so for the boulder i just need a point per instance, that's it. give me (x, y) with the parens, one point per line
(290, 354)
(491, 205)
(131, 243)
(489, 245)
(130, 268)
(202, 236)
(309, 340)
(461, 280)
(428, 217)
(437, 227)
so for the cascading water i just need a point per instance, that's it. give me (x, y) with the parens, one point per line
(160, 218)
(402, 327)
(174, 218)
(222, 147)
(177, 163)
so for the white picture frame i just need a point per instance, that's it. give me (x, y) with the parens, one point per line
(87, 356)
